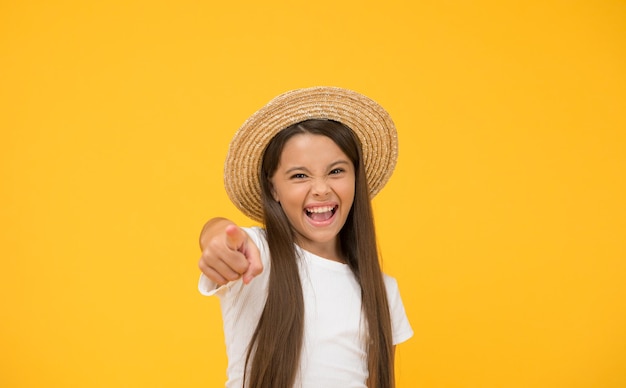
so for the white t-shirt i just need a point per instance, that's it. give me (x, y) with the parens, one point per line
(334, 349)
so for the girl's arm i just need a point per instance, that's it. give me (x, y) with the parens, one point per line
(228, 253)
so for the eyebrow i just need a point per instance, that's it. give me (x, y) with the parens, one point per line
(330, 166)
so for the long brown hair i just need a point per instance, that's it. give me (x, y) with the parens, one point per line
(275, 347)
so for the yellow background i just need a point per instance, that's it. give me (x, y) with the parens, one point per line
(505, 222)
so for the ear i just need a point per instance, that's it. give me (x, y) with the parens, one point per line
(274, 193)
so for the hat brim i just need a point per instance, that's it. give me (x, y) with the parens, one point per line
(369, 121)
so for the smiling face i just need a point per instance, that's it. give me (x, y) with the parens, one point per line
(314, 184)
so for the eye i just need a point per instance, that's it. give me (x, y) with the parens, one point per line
(298, 176)
(336, 171)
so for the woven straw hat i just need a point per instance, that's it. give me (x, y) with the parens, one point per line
(369, 121)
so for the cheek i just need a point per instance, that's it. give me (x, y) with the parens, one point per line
(348, 189)
(287, 194)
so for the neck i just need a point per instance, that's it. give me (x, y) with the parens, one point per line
(330, 251)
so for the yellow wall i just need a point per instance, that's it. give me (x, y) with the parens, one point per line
(505, 222)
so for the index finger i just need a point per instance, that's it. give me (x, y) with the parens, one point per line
(235, 238)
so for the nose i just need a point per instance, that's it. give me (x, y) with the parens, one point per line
(320, 187)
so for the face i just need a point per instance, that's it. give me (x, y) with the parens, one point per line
(314, 184)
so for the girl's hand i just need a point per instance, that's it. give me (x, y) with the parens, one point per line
(228, 253)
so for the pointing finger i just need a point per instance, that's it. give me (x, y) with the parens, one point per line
(235, 238)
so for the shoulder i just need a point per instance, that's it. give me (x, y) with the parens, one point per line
(256, 233)
(393, 293)
(391, 284)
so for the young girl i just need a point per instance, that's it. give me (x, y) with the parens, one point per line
(304, 301)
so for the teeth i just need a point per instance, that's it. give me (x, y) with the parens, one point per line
(322, 209)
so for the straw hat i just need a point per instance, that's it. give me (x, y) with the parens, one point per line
(369, 121)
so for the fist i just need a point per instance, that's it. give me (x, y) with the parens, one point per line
(228, 254)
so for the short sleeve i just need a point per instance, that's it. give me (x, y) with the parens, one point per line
(401, 328)
(208, 287)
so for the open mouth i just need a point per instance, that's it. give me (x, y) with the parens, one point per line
(321, 213)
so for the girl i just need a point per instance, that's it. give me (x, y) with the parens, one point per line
(304, 301)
